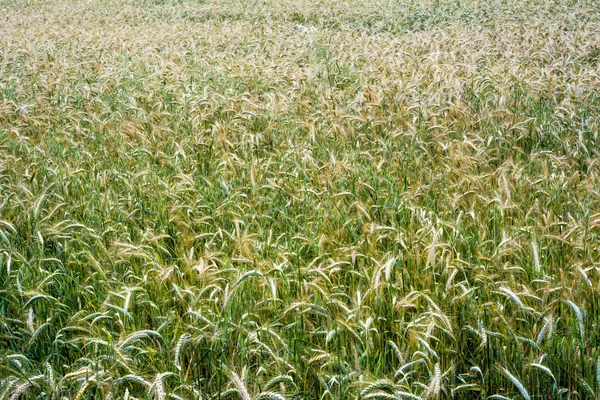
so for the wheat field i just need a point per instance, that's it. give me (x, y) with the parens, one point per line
(299, 199)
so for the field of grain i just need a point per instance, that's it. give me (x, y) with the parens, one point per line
(298, 199)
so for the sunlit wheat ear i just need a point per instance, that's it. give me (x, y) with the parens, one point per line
(226, 394)
(137, 336)
(536, 256)
(183, 339)
(50, 377)
(450, 280)
(546, 330)
(580, 320)
(388, 267)
(380, 396)
(22, 388)
(397, 351)
(87, 384)
(381, 385)
(432, 249)
(588, 389)
(37, 332)
(515, 382)
(483, 334)
(137, 379)
(278, 380)
(409, 367)
(406, 395)
(434, 388)
(584, 276)
(467, 387)
(158, 388)
(544, 369)
(516, 299)
(269, 396)
(30, 317)
(505, 187)
(240, 386)
(598, 376)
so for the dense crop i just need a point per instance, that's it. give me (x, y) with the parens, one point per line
(376, 199)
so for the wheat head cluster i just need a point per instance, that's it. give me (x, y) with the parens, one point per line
(299, 199)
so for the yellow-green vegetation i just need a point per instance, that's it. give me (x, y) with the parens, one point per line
(298, 199)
